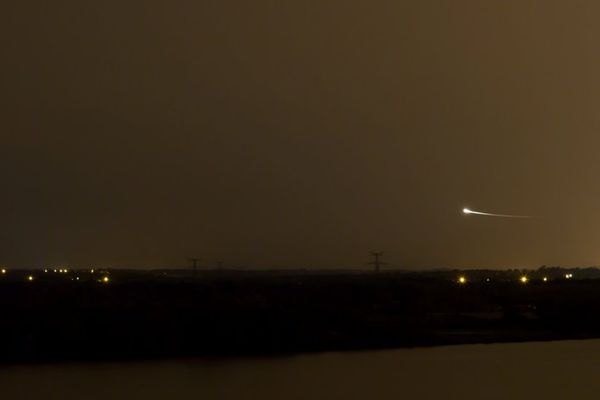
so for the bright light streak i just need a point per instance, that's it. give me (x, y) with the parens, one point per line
(467, 211)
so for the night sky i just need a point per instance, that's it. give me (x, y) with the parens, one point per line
(299, 134)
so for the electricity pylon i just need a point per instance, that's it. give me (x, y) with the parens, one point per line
(194, 262)
(377, 263)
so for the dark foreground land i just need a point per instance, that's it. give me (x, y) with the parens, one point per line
(154, 314)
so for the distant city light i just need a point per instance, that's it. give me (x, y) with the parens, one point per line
(524, 279)
(30, 278)
(462, 280)
(46, 271)
(3, 271)
(92, 271)
(105, 279)
(54, 271)
(568, 276)
(545, 279)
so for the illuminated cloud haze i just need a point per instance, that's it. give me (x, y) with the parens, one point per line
(286, 134)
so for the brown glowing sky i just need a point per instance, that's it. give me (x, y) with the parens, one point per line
(298, 133)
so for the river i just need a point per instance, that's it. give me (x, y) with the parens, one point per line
(546, 370)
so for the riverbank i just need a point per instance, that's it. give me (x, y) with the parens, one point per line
(140, 316)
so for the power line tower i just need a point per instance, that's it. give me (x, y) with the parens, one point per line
(377, 263)
(194, 262)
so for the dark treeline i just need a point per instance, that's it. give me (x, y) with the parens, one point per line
(140, 315)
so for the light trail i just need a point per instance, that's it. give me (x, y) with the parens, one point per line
(485, 214)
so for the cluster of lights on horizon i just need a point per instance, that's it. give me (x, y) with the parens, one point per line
(524, 279)
(461, 279)
(30, 277)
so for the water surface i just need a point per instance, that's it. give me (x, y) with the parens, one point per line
(550, 370)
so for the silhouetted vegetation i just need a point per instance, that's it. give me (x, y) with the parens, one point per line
(149, 314)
